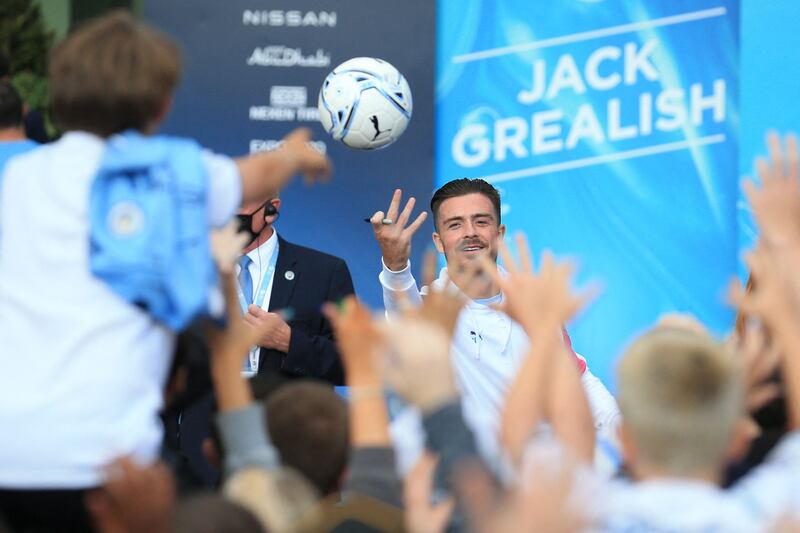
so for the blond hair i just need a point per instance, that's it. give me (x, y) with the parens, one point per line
(680, 395)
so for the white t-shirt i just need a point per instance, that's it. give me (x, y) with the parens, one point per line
(754, 504)
(487, 349)
(81, 370)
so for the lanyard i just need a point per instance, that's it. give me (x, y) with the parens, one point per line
(251, 366)
(262, 288)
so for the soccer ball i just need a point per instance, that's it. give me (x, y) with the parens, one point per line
(365, 103)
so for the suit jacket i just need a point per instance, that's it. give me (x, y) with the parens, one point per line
(304, 280)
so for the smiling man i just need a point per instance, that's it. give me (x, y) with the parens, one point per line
(487, 346)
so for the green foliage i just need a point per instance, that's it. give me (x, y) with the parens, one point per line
(24, 38)
(26, 42)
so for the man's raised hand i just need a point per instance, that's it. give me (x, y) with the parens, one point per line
(394, 233)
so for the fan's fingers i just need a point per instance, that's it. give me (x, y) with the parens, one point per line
(331, 311)
(505, 254)
(429, 268)
(547, 263)
(524, 252)
(791, 157)
(762, 395)
(775, 155)
(764, 170)
(489, 268)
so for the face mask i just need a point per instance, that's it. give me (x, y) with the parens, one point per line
(246, 226)
(246, 221)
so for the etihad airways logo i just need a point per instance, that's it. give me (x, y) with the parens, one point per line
(264, 17)
(283, 56)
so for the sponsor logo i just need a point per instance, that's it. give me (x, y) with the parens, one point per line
(284, 56)
(282, 95)
(292, 19)
(378, 130)
(266, 145)
(283, 114)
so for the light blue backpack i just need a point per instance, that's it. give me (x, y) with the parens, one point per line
(149, 228)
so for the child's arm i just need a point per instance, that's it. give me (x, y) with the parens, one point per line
(265, 173)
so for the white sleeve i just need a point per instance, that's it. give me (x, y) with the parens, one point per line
(398, 285)
(224, 188)
(605, 411)
(772, 488)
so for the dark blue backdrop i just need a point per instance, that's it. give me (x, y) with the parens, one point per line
(235, 55)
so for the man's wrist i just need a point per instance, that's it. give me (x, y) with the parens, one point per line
(396, 266)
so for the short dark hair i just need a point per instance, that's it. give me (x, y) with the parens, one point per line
(11, 106)
(462, 187)
(212, 513)
(112, 74)
(308, 423)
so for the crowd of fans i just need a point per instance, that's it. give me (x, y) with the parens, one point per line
(708, 425)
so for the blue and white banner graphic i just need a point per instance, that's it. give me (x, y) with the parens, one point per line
(610, 127)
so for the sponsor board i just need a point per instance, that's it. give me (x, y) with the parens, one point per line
(285, 56)
(291, 19)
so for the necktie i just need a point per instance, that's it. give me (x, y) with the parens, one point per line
(245, 279)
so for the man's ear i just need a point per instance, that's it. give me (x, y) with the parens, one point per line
(437, 242)
(501, 230)
(276, 203)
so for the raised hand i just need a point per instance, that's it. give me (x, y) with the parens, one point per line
(538, 302)
(394, 233)
(226, 246)
(421, 514)
(770, 301)
(441, 306)
(776, 204)
(769, 298)
(359, 339)
(417, 365)
(309, 161)
(759, 360)
(543, 501)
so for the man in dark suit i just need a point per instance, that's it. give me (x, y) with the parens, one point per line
(298, 342)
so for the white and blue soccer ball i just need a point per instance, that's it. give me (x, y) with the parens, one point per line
(365, 103)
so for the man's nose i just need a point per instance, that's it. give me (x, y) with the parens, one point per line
(469, 229)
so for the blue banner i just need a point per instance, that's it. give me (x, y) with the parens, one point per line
(611, 129)
(770, 86)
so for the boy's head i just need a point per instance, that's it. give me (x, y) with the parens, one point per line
(212, 513)
(112, 74)
(308, 423)
(681, 397)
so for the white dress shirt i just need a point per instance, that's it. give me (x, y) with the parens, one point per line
(487, 349)
(260, 258)
(81, 370)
